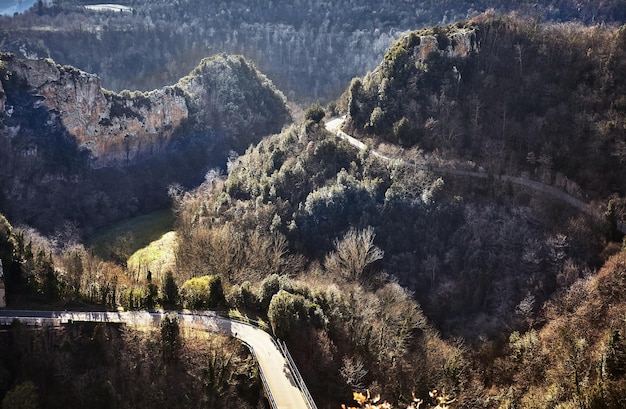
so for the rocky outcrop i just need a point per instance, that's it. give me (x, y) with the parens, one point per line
(71, 150)
(458, 44)
(116, 128)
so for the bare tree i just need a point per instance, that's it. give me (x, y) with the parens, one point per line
(353, 254)
(353, 371)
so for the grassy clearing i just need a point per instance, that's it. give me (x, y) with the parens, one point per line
(119, 241)
(158, 257)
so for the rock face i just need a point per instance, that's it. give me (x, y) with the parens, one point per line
(116, 128)
(395, 100)
(459, 44)
(70, 150)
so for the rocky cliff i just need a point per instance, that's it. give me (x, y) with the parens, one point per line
(71, 151)
(457, 44)
(225, 93)
(115, 128)
(415, 67)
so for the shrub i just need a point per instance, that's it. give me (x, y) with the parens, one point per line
(314, 113)
(287, 312)
(22, 396)
(203, 292)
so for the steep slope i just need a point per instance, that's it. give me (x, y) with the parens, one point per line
(483, 259)
(307, 204)
(578, 358)
(539, 100)
(78, 153)
(229, 95)
(118, 129)
(104, 366)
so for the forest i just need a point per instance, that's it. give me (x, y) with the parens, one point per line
(309, 49)
(544, 101)
(382, 277)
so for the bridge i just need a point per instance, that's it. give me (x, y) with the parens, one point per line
(283, 384)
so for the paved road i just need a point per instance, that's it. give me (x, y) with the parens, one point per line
(281, 380)
(334, 126)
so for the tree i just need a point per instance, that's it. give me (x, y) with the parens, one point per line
(377, 119)
(151, 296)
(203, 292)
(216, 379)
(268, 288)
(169, 291)
(73, 265)
(354, 103)
(353, 254)
(22, 396)
(353, 371)
(314, 113)
(45, 277)
(170, 338)
(287, 312)
(402, 131)
(571, 363)
(616, 354)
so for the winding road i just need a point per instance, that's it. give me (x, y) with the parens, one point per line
(282, 382)
(334, 126)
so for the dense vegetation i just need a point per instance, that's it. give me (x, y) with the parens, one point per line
(105, 366)
(479, 269)
(310, 49)
(381, 276)
(545, 101)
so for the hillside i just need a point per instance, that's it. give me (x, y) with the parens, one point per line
(379, 275)
(478, 268)
(513, 97)
(74, 153)
(98, 366)
(499, 271)
(310, 49)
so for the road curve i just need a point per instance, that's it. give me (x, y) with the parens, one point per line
(334, 126)
(282, 382)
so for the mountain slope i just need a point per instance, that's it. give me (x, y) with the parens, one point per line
(519, 98)
(74, 152)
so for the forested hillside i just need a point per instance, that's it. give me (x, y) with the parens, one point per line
(505, 275)
(519, 98)
(358, 234)
(379, 275)
(310, 49)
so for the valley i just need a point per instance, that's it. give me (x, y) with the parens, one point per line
(423, 202)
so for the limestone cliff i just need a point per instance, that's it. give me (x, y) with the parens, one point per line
(224, 94)
(389, 101)
(115, 128)
(73, 151)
